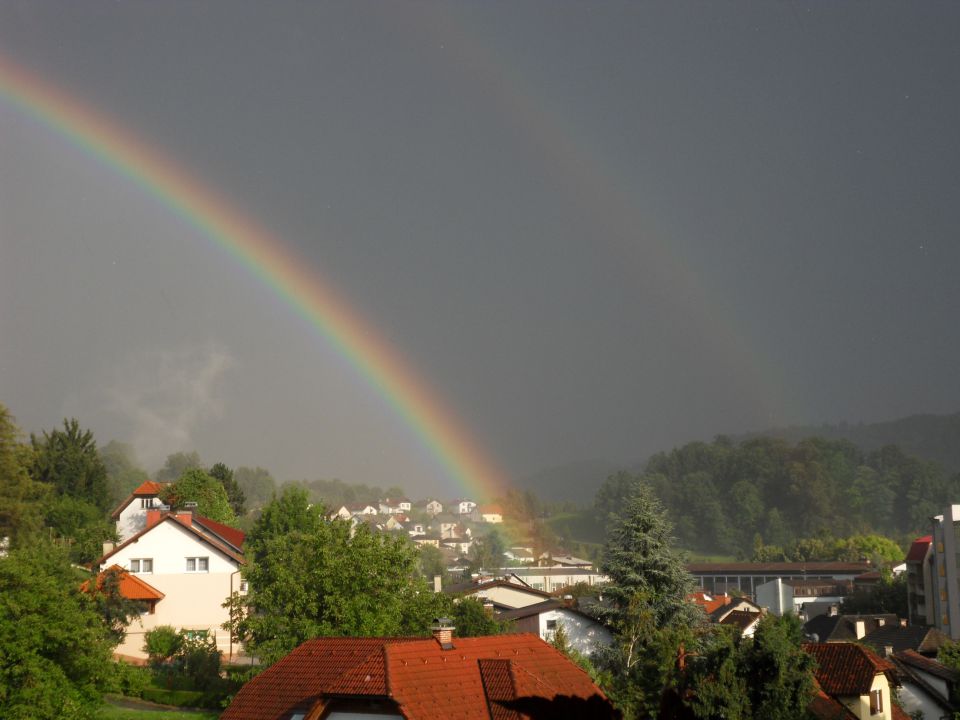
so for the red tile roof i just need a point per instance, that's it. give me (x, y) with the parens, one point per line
(230, 534)
(472, 680)
(217, 544)
(928, 665)
(918, 549)
(825, 707)
(845, 668)
(131, 587)
(148, 488)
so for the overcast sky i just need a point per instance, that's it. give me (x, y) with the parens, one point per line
(596, 230)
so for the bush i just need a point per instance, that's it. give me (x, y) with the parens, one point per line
(162, 644)
(180, 698)
(128, 680)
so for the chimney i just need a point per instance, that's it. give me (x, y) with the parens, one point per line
(108, 547)
(185, 516)
(887, 650)
(861, 629)
(153, 517)
(443, 633)
(437, 583)
(832, 612)
(903, 622)
(880, 621)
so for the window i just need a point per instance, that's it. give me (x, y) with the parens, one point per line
(551, 624)
(876, 702)
(243, 586)
(141, 565)
(198, 564)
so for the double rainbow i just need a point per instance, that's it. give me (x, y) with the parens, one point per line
(269, 260)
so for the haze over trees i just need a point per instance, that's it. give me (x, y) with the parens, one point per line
(733, 498)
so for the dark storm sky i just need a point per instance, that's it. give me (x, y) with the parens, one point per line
(595, 229)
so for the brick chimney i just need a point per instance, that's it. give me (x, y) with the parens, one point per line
(153, 517)
(443, 633)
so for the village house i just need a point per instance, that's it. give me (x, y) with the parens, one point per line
(503, 593)
(463, 507)
(131, 515)
(490, 514)
(496, 677)
(187, 565)
(926, 686)
(431, 507)
(857, 679)
(584, 634)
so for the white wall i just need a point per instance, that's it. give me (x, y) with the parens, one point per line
(583, 633)
(913, 698)
(132, 520)
(192, 600)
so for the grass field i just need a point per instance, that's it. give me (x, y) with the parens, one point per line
(145, 711)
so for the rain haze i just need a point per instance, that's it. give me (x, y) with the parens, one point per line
(592, 230)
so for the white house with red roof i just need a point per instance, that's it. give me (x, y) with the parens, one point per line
(131, 514)
(192, 563)
(491, 514)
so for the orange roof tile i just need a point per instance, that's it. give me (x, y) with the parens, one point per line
(477, 678)
(845, 668)
(149, 488)
(230, 534)
(131, 587)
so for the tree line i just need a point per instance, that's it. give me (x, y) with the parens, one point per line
(729, 498)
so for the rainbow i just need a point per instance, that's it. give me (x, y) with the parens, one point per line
(269, 260)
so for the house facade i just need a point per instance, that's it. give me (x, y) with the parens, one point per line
(131, 515)
(194, 563)
(919, 562)
(857, 678)
(543, 619)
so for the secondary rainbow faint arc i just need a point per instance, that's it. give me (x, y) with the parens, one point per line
(268, 259)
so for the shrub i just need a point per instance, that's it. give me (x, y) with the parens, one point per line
(162, 644)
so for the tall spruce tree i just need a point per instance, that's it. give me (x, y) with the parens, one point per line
(646, 604)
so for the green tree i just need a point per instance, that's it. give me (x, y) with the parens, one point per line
(647, 607)
(257, 484)
(68, 461)
(123, 472)
(887, 596)
(737, 678)
(487, 552)
(177, 464)
(196, 486)
(54, 646)
(21, 498)
(310, 576)
(235, 495)
(82, 525)
(778, 671)
(471, 619)
(431, 563)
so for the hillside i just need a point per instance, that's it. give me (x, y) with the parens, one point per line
(930, 437)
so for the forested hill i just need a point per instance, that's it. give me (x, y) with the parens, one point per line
(931, 437)
(725, 497)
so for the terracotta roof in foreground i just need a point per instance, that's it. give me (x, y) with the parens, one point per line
(506, 677)
(845, 668)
